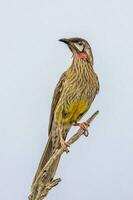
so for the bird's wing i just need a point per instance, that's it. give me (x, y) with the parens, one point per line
(49, 149)
(98, 85)
(56, 96)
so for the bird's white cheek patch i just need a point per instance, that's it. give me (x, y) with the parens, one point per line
(79, 47)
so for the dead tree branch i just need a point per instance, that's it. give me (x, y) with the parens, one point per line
(42, 184)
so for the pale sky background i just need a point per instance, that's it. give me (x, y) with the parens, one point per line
(31, 62)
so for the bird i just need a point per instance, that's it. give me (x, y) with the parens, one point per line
(72, 98)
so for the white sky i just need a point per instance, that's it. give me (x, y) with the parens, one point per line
(31, 62)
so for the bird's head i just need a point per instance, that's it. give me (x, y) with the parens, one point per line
(80, 48)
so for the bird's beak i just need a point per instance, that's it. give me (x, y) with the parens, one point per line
(66, 41)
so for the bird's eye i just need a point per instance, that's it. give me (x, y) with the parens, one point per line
(80, 43)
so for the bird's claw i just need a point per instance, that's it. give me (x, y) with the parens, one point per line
(84, 127)
(65, 146)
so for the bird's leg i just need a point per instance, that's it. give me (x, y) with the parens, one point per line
(64, 144)
(83, 126)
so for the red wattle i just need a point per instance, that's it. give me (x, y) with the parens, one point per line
(82, 55)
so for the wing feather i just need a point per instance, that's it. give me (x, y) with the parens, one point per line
(56, 96)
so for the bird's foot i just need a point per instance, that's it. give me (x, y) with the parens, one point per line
(84, 127)
(64, 145)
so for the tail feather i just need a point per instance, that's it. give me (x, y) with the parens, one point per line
(48, 152)
(45, 157)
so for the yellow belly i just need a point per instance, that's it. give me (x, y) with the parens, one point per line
(71, 113)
